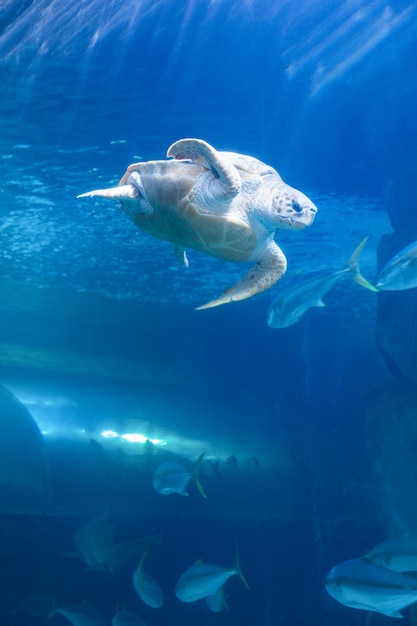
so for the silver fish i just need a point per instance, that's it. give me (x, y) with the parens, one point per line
(212, 468)
(146, 587)
(94, 546)
(362, 585)
(124, 617)
(121, 554)
(307, 291)
(398, 555)
(401, 271)
(253, 463)
(203, 579)
(82, 615)
(174, 477)
(232, 461)
(93, 541)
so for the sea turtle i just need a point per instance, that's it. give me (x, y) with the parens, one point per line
(225, 204)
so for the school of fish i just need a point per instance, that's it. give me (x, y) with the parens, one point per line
(384, 580)
(96, 548)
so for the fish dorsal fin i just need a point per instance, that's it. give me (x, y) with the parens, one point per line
(239, 569)
(354, 259)
(194, 474)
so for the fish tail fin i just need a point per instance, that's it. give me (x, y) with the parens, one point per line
(52, 610)
(195, 474)
(239, 569)
(143, 557)
(353, 266)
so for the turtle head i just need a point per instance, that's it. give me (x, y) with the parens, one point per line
(290, 209)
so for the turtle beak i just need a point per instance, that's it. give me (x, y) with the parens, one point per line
(122, 192)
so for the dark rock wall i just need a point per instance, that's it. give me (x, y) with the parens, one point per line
(392, 444)
(396, 325)
(392, 406)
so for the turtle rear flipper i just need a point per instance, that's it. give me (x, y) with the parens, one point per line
(260, 277)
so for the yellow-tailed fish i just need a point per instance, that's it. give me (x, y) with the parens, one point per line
(146, 587)
(204, 579)
(82, 615)
(362, 585)
(124, 617)
(401, 271)
(174, 476)
(398, 555)
(307, 291)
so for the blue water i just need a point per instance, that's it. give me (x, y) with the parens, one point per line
(99, 339)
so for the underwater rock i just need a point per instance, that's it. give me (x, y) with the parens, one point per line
(396, 315)
(401, 199)
(392, 438)
(24, 467)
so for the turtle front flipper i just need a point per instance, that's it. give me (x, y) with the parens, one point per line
(271, 267)
(201, 152)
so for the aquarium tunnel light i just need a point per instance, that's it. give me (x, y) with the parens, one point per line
(133, 438)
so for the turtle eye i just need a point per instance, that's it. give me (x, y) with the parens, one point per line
(296, 206)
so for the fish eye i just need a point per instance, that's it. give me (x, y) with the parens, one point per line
(296, 206)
